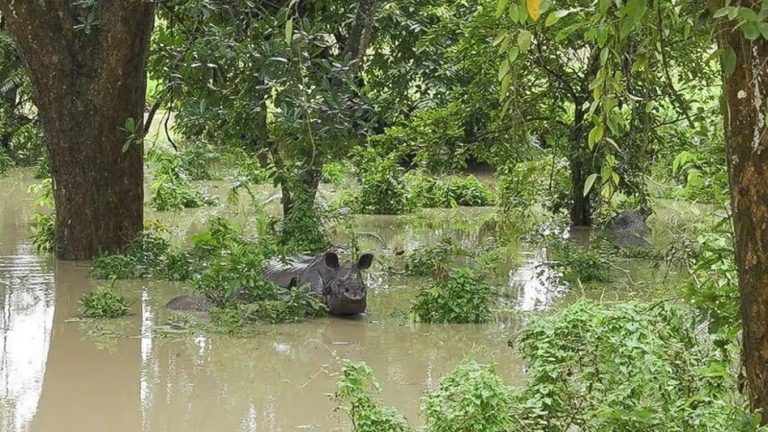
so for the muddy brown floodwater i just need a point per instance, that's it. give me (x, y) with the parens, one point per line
(61, 374)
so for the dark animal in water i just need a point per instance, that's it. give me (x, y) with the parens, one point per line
(341, 288)
(629, 230)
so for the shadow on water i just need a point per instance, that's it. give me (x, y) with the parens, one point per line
(59, 374)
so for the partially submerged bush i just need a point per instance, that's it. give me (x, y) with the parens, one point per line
(471, 398)
(427, 191)
(382, 187)
(170, 188)
(43, 224)
(42, 231)
(581, 264)
(543, 182)
(6, 163)
(144, 257)
(436, 258)
(460, 297)
(103, 302)
(628, 367)
(356, 393)
(196, 159)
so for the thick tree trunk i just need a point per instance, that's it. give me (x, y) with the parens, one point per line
(88, 81)
(581, 206)
(746, 92)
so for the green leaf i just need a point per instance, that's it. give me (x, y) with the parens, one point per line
(501, 5)
(505, 83)
(729, 61)
(751, 30)
(289, 31)
(595, 135)
(524, 40)
(589, 183)
(604, 5)
(513, 53)
(551, 19)
(721, 12)
(503, 69)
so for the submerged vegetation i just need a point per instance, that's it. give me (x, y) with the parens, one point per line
(103, 302)
(627, 366)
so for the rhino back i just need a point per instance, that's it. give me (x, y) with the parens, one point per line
(299, 269)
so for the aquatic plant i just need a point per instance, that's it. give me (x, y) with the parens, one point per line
(356, 392)
(461, 296)
(103, 302)
(196, 158)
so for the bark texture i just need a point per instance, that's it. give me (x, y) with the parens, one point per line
(88, 79)
(745, 93)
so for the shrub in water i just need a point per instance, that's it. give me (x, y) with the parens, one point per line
(472, 398)
(170, 188)
(461, 297)
(42, 231)
(355, 392)
(626, 367)
(577, 264)
(144, 257)
(103, 302)
(196, 158)
(427, 191)
(382, 187)
(6, 163)
(435, 259)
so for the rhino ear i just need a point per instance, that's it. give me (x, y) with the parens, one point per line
(365, 261)
(331, 260)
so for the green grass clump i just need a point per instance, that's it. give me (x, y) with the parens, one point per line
(103, 302)
(426, 191)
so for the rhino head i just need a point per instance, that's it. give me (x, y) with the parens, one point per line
(343, 288)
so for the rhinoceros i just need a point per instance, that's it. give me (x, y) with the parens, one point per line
(629, 230)
(341, 288)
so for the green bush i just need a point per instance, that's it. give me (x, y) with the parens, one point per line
(460, 297)
(334, 172)
(103, 302)
(144, 257)
(355, 393)
(382, 187)
(28, 145)
(436, 258)
(425, 191)
(196, 159)
(6, 163)
(170, 188)
(581, 264)
(43, 231)
(626, 367)
(472, 398)
(526, 184)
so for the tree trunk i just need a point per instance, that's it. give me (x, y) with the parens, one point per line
(88, 81)
(745, 93)
(581, 206)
